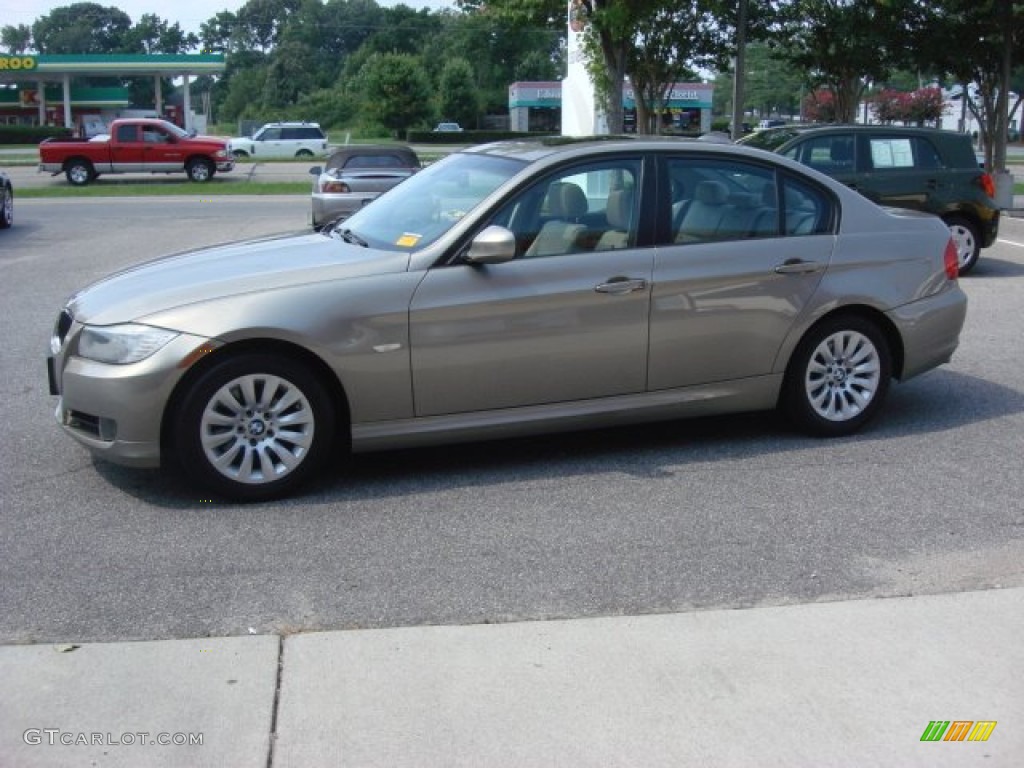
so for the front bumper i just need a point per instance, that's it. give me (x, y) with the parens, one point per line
(223, 166)
(117, 411)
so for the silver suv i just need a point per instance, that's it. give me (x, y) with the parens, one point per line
(279, 140)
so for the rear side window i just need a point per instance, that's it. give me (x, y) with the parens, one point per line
(301, 134)
(807, 210)
(902, 152)
(891, 153)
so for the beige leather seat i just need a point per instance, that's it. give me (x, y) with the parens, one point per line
(619, 213)
(567, 205)
(704, 213)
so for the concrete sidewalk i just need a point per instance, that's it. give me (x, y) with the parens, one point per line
(851, 683)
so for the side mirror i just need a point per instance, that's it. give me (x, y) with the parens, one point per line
(316, 170)
(495, 245)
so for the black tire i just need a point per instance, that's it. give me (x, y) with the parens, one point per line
(200, 170)
(838, 377)
(254, 427)
(6, 207)
(303, 153)
(967, 241)
(79, 172)
(240, 154)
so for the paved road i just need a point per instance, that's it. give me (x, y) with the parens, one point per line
(26, 177)
(679, 517)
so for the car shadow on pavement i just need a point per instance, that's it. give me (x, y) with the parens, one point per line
(991, 267)
(938, 402)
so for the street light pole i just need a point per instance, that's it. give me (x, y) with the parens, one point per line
(739, 72)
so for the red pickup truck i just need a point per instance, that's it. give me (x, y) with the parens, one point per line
(143, 145)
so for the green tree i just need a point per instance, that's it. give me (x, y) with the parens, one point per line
(973, 41)
(457, 93)
(668, 42)
(843, 45)
(396, 92)
(291, 71)
(16, 39)
(82, 28)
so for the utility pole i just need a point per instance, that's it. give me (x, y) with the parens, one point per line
(739, 71)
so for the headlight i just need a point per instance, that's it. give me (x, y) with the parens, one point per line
(121, 344)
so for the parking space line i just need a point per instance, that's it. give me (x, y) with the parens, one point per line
(1010, 242)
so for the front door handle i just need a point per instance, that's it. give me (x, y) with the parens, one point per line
(798, 267)
(619, 285)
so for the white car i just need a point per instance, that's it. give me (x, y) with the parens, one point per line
(281, 140)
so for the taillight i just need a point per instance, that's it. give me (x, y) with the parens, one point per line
(951, 261)
(335, 187)
(987, 185)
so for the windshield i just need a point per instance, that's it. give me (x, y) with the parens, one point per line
(418, 211)
(172, 128)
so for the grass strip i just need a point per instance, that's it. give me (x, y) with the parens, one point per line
(151, 188)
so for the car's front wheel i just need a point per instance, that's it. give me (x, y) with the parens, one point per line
(199, 170)
(254, 427)
(838, 376)
(967, 242)
(240, 154)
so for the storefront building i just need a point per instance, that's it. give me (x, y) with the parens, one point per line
(41, 89)
(537, 106)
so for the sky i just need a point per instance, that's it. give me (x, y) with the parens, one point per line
(190, 14)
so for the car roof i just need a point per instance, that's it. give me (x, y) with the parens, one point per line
(531, 150)
(372, 149)
(816, 128)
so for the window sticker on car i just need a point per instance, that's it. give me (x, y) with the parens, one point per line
(408, 240)
(891, 153)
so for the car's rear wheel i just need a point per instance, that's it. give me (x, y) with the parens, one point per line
(303, 153)
(6, 207)
(199, 170)
(967, 242)
(838, 376)
(79, 172)
(240, 154)
(254, 427)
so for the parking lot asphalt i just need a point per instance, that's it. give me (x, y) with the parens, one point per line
(829, 682)
(856, 683)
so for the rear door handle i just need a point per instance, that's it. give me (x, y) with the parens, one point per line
(617, 285)
(798, 267)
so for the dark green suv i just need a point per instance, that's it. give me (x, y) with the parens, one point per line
(921, 168)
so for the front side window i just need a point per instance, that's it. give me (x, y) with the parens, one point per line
(127, 133)
(269, 134)
(424, 207)
(829, 154)
(585, 208)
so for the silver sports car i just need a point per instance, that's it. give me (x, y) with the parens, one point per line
(513, 288)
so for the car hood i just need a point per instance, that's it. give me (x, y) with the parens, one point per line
(228, 270)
